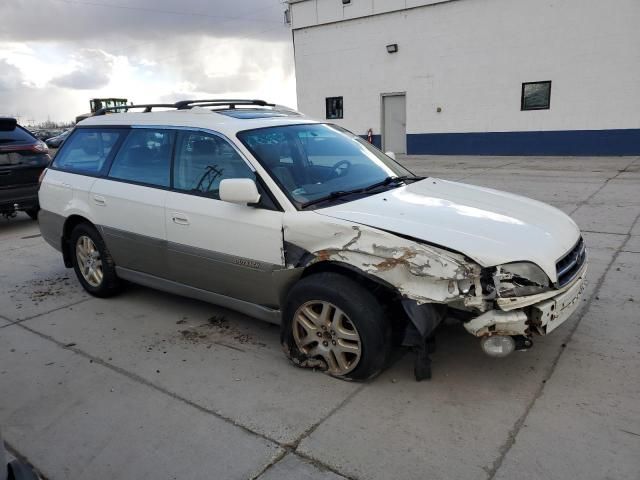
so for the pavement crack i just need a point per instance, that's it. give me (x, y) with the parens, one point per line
(604, 233)
(605, 183)
(324, 466)
(312, 428)
(17, 322)
(143, 381)
(279, 456)
(285, 447)
(22, 458)
(515, 430)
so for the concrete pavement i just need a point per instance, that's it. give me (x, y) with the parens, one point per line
(152, 385)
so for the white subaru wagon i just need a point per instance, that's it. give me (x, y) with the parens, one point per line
(259, 209)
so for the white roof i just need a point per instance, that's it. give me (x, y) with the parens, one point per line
(199, 117)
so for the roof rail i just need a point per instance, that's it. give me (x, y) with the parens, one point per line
(214, 102)
(187, 104)
(147, 108)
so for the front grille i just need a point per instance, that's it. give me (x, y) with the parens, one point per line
(569, 265)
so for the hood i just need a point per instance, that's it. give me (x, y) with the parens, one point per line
(486, 225)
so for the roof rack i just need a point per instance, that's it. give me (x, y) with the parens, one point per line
(147, 108)
(188, 104)
(215, 102)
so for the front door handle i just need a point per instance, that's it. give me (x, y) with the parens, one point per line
(99, 200)
(180, 219)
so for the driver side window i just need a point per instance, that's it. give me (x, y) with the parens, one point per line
(203, 160)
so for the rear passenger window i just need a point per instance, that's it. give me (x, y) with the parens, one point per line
(86, 150)
(203, 161)
(145, 157)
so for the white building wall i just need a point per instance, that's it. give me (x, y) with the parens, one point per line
(470, 58)
(315, 12)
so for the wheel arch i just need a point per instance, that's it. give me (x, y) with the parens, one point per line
(388, 296)
(70, 223)
(350, 271)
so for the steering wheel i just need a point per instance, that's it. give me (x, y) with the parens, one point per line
(340, 169)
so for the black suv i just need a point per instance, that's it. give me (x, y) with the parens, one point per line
(22, 159)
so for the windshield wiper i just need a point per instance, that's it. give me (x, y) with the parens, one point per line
(332, 196)
(392, 180)
(343, 193)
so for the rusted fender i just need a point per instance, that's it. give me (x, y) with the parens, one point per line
(420, 272)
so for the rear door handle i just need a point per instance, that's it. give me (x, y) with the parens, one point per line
(180, 219)
(66, 185)
(99, 200)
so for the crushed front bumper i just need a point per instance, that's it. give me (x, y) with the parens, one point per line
(539, 314)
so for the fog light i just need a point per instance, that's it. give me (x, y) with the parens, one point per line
(498, 345)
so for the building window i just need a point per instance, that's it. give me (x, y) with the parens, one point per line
(536, 96)
(334, 107)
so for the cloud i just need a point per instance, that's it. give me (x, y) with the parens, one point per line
(28, 103)
(93, 71)
(234, 65)
(143, 50)
(11, 78)
(71, 20)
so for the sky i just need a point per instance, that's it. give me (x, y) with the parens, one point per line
(55, 55)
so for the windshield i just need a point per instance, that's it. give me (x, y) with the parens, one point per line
(317, 161)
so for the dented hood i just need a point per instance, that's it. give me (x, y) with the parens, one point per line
(488, 226)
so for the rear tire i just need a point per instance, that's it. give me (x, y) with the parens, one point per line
(92, 262)
(333, 323)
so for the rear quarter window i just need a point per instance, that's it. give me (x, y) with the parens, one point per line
(87, 150)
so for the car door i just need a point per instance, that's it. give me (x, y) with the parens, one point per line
(230, 249)
(128, 204)
(85, 157)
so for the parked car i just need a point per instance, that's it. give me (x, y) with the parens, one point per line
(303, 224)
(55, 142)
(44, 134)
(22, 159)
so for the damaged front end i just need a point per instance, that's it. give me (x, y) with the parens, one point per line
(424, 278)
(525, 302)
(511, 301)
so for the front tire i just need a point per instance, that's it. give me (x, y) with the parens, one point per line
(334, 323)
(92, 262)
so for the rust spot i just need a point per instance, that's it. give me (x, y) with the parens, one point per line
(393, 262)
(323, 255)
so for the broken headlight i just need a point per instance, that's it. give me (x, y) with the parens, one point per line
(520, 279)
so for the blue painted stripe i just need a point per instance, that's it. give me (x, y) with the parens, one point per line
(566, 142)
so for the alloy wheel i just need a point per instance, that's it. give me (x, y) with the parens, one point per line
(320, 329)
(89, 261)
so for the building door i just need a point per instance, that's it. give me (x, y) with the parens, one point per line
(394, 127)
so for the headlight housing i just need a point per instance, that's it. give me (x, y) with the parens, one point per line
(520, 279)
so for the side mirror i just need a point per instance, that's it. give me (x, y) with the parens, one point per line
(239, 190)
(390, 155)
